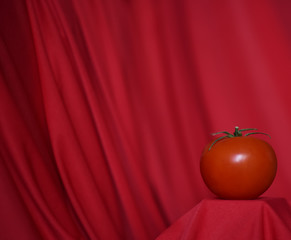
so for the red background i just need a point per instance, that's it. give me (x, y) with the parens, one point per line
(107, 105)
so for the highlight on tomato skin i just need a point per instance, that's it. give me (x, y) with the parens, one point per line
(237, 166)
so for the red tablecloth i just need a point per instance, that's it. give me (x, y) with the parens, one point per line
(214, 219)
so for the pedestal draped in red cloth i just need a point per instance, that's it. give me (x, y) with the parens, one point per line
(106, 105)
(213, 219)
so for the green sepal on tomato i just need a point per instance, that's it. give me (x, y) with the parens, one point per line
(237, 166)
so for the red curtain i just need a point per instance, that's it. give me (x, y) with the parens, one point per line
(107, 105)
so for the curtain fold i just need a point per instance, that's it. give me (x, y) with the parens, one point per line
(107, 105)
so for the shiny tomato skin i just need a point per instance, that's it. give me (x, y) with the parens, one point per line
(239, 167)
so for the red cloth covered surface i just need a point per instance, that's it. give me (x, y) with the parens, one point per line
(211, 219)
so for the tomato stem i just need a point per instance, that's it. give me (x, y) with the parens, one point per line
(237, 133)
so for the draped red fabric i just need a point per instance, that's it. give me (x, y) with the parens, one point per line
(107, 105)
(270, 218)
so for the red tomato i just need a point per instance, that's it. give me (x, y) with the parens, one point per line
(238, 167)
